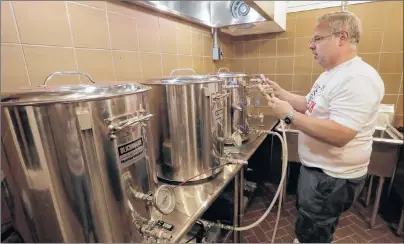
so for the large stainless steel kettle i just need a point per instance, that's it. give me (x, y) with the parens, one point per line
(190, 133)
(68, 148)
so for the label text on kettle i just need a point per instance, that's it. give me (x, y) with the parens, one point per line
(131, 152)
(219, 114)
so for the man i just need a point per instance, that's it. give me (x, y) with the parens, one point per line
(336, 121)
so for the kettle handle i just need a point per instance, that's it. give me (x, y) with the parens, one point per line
(223, 68)
(182, 69)
(67, 73)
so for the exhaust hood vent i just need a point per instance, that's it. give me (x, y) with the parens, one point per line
(236, 17)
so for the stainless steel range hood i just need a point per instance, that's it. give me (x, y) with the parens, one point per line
(239, 15)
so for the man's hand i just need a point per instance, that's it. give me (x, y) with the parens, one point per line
(279, 107)
(273, 88)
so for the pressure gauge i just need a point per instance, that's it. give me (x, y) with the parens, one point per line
(164, 199)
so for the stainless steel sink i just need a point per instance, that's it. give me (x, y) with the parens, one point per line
(386, 141)
(388, 134)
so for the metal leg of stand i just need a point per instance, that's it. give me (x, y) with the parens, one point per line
(236, 206)
(377, 201)
(241, 205)
(401, 223)
(369, 191)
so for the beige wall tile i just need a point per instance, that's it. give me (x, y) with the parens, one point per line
(95, 4)
(199, 29)
(149, 39)
(302, 83)
(151, 65)
(267, 65)
(393, 41)
(398, 120)
(43, 61)
(251, 65)
(290, 28)
(238, 65)
(251, 49)
(227, 47)
(402, 84)
(127, 66)
(391, 63)
(8, 28)
(224, 63)
(314, 77)
(184, 41)
(268, 48)
(182, 24)
(167, 22)
(123, 8)
(285, 47)
(284, 65)
(43, 22)
(169, 63)
(370, 21)
(305, 26)
(197, 44)
(13, 72)
(89, 26)
(197, 65)
(123, 32)
(370, 42)
(208, 65)
(168, 41)
(238, 50)
(394, 16)
(302, 64)
(285, 81)
(317, 68)
(207, 46)
(371, 59)
(391, 83)
(98, 63)
(389, 99)
(185, 62)
(302, 45)
(399, 105)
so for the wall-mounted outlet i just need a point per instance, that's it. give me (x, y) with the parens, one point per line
(217, 53)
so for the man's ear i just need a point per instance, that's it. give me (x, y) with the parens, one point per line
(344, 36)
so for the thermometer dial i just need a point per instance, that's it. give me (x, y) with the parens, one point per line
(164, 199)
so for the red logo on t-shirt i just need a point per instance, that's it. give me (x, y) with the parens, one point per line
(311, 106)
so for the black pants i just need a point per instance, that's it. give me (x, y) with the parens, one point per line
(321, 199)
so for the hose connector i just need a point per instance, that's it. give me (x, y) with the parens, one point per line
(227, 160)
(220, 225)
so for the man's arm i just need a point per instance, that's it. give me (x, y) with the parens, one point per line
(350, 109)
(324, 129)
(298, 102)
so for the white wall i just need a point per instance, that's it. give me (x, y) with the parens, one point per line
(296, 6)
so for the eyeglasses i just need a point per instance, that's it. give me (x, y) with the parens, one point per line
(318, 39)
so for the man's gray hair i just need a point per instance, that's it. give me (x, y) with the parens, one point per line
(343, 21)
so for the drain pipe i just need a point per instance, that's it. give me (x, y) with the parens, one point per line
(216, 53)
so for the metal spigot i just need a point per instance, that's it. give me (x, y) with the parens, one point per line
(127, 179)
(226, 160)
(236, 107)
(257, 116)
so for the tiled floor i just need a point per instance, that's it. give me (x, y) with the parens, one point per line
(353, 225)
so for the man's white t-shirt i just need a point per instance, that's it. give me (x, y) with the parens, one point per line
(348, 94)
